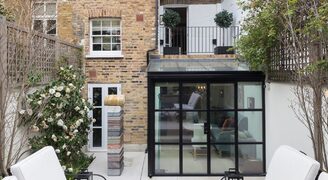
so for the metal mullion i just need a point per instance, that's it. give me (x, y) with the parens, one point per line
(208, 127)
(257, 110)
(236, 125)
(263, 128)
(180, 131)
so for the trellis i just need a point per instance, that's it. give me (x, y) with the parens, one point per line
(24, 51)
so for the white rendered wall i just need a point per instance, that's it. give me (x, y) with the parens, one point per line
(282, 127)
(232, 6)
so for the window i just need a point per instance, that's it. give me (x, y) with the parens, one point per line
(106, 38)
(45, 17)
(96, 95)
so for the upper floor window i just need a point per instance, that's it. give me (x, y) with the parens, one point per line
(106, 37)
(45, 17)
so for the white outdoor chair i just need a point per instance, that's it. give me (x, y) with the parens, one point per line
(42, 165)
(323, 176)
(289, 164)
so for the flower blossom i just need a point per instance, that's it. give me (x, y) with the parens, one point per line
(52, 91)
(57, 94)
(60, 122)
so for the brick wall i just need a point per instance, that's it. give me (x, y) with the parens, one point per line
(138, 36)
(165, 2)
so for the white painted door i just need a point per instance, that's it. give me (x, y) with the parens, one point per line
(96, 96)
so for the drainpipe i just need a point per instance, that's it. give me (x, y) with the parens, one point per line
(156, 33)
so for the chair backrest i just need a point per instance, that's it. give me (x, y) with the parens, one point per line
(42, 165)
(323, 176)
(198, 134)
(193, 99)
(289, 164)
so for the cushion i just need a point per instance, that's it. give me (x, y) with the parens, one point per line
(289, 164)
(10, 178)
(323, 176)
(41, 165)
(193, 100)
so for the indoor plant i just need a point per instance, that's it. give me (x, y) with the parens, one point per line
(224, 20)
(171, 19)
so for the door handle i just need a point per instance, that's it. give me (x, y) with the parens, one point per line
(205, 128)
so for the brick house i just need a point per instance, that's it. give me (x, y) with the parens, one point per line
(182, 97)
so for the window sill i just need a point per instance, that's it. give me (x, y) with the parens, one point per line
(109, 56)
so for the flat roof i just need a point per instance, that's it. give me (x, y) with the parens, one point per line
(196, 65)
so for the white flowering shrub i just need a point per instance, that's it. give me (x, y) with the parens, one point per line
(59, 114)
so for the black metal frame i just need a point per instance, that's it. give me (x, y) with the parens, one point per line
(232, 77)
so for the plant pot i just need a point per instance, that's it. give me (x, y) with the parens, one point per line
(171, 50)
(223, 50)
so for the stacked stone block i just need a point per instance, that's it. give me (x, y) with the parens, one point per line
(115, 143)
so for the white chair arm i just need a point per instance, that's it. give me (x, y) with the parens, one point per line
(323, 176)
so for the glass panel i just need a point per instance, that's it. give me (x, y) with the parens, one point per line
(97, 40)
(106, 47)
(112, 90)
(106, 31)
(222, 96)
(38, 9)
(97, 98)
(96, 23)
(105, 23)
(193, 127)
(116, 47)
(98, 116)
(116, 23)
(116, 32)
(96, 31)
(96, 137)
(97, 47)
(222, 158)
(250, 95)
(38, 25)
(195, 159)
(167, 126)
(166, 96)
(107, 39)
(194, 96)
(222, 126)
(116, 39)
(250, 126)
(251, 158)
(51, 9)
(51, 26)
(166, 159)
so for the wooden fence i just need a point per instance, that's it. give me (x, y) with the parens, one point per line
(26, 54)
(287, 61)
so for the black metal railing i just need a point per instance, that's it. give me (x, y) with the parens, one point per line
(196, 40)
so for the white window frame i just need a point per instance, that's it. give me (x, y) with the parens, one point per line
(104, 126)
(104, 54)
(45, 17)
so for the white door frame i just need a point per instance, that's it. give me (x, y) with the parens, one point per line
(104, 124)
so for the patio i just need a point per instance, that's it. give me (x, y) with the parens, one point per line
(136, 167)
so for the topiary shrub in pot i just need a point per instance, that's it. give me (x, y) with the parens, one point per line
(171, 19)
(224, 20)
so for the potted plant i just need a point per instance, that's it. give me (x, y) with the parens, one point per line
(171, 19)
(224, 20)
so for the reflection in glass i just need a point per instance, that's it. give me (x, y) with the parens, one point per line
(97, 115)
(167, 126)
(96, 137)
(167, 96)
(251, 158)
(112, 90)
(222, 126)
(222, 96)
(195, 159)
(97, 99)
(166, 159)
(193, 126)
(250, 95)
(194, 96)
(250, 126)
(222, 158)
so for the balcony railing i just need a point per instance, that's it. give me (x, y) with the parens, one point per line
(196, 40)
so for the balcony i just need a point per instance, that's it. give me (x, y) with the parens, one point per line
(197, 40)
